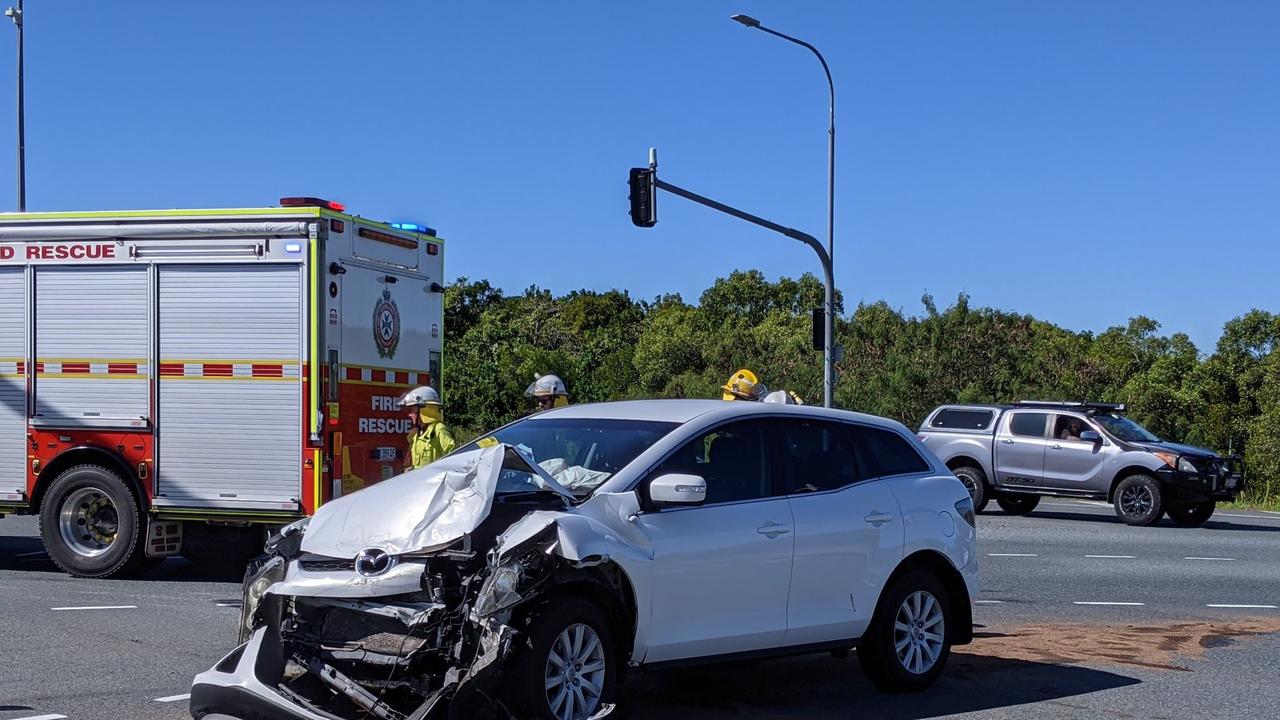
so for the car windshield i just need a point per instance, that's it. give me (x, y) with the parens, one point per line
(579, 453)
(1125, 429)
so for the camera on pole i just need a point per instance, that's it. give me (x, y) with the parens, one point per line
(644, 202)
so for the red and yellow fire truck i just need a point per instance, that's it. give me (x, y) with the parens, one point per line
(173, 381)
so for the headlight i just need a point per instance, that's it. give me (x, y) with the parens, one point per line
(1185, 466)
(1170, 459)
(501, 589)
(255, 588)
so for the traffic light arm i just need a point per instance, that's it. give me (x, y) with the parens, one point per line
(828, 349)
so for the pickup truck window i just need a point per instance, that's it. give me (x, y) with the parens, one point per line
(1125, 429)
(1028, 424)
(957, 419)
(885, 453)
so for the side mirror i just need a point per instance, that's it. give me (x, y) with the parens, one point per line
(677, 489)
(1092, 436)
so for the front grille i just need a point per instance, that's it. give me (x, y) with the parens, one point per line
(322, 563)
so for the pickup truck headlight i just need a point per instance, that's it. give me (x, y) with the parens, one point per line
(1178, 462)
(1185, 466)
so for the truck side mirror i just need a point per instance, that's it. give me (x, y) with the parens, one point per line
(1092, 436)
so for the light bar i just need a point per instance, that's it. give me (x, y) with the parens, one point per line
(414, 227)
(312, 202)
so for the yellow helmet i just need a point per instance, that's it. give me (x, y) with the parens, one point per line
(743, 385)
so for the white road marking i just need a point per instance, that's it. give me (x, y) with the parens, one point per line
(41, 717)
(1210, 558)
(1251, 607)
(1100, 602)
(231, 605)
(1012, 555)
(36, 553)
(174, 698)
(98, 607)
(1238, 515)
(989, 602)
(1114, 557)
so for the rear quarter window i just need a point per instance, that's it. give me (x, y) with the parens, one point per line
(886, 453)
(953, 419)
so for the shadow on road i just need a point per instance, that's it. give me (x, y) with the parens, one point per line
(1111, 519)
(827, 687)
(25, 553)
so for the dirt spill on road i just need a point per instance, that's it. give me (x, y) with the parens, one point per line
(1158, 646)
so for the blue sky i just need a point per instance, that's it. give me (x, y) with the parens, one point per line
(1083, 162)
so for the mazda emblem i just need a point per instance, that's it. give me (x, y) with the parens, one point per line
(373, 562)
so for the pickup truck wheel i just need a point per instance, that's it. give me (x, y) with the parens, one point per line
(1139, 500)
(1018, 504)
(1192, 514)
(907, 644)
(91, 524)
(566, 668)
(975, 481)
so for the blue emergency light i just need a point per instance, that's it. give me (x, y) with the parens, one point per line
(414, 227)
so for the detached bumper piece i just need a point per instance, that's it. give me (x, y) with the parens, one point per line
(232, 687)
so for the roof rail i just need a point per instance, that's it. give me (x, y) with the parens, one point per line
(1084, 405)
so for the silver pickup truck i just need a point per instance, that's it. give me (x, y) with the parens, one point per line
(1016, 454)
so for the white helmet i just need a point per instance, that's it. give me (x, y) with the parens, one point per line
(419, 396)
(783, 397)
(547, 385)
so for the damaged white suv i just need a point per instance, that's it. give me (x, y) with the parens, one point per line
(527, 573)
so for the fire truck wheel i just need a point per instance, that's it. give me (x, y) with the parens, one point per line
(90, 523)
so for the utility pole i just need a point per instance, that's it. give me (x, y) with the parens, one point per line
(16, 15)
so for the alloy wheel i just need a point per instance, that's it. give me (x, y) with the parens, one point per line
(575, 673)
(1136, 500)
(918, 632)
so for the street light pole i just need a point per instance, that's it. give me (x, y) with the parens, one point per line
(828, 381)
(16, 15)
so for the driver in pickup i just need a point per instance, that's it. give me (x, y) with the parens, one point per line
(1071, 429)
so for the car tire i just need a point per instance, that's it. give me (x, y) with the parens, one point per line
(1139, 500)
(915, 615)
(563, 624)
(1192, 514)
(1018, 504)
(975, 481)
(91, 524)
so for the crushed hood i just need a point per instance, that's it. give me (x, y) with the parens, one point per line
(421, 510)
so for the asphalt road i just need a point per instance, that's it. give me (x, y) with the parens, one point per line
(1080, 617)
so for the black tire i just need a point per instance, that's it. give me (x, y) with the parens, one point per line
(1139, 500)
(877, 650)
(1192, 514)
(1018, 504)
(975, 481)
(526, 680)
(91, 523)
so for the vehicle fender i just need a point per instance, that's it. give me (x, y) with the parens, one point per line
(86, 454)
(976, 451)
(1124, 464)
(930, 520)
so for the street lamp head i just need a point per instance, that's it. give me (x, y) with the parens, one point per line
(745, 20)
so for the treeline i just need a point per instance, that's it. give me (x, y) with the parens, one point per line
(609, 346)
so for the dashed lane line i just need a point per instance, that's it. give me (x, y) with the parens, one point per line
(1012, 555)
(1215, 559)
(173, 698)
(1242, 607)
(41, 717)
(1113, 557)
(96, 607)
(1107, 602)
(989, 602)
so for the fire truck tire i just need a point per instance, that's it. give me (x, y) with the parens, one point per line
(91, 524)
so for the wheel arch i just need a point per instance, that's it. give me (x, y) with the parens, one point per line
(88, 455)
(607, 586)
(960, 630)
(1125, 474)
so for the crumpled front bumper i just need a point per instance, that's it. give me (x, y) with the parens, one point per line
(232, 688)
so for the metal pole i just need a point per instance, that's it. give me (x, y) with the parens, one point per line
(16, 15)
(828, 381)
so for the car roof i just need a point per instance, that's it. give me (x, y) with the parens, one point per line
(682, 411)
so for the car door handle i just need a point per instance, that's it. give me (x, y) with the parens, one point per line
(877, 518)
(1007, 442)
(772, 530)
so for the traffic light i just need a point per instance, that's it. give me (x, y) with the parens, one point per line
(819, 328)
(644, 205)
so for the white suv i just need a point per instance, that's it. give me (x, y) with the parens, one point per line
(532, 569)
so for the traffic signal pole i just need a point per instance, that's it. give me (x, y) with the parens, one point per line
(649, 218)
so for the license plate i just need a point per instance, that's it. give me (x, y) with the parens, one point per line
(386, 453)
(1232, 482)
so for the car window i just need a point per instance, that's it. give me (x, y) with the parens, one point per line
(1069, 427)
(815, 456)
(957, 419)
(731, 458)
(1028, 424)
(884, 452)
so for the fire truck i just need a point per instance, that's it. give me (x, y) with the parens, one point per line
(178, 381)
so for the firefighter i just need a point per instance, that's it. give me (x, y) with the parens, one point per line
(549, 391)
(429, 438)
(783, 397)
(743, 385)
